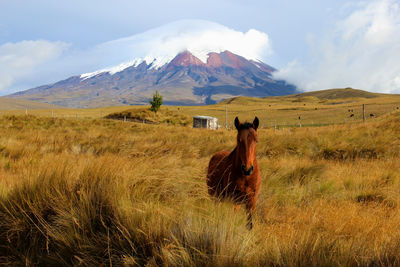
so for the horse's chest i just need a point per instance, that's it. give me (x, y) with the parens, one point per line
(239, 187)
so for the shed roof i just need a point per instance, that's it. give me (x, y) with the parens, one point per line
(204, 117)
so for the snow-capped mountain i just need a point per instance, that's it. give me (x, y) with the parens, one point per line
(188, 78)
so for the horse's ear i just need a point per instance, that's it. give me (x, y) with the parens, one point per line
(237, 123)
(256, 122)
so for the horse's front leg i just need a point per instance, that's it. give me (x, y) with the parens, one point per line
(250, 206)
(249, 218)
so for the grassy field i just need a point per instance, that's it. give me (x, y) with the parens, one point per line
(325, 107)
(106, 192)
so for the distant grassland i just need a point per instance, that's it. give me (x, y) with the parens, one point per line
(314, 109)
(97, 192)
(17, 104)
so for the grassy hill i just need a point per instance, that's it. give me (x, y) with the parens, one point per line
(97, 192)
(340, 94)
(145, 115)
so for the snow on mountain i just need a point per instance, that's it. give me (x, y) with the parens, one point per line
(114, 69)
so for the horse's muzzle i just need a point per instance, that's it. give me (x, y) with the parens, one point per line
(247, 172)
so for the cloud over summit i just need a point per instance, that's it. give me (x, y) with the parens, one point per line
(198, 36)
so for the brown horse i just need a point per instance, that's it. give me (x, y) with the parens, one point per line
(236, 174)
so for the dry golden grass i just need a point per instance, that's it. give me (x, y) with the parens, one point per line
(145, 115)
(318, 108)
(103, 192)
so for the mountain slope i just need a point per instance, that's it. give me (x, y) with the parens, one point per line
(185, 80)
(16, 104)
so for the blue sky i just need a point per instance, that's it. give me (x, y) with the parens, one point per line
(314, 44)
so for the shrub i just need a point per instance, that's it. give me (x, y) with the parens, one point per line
(156, 102)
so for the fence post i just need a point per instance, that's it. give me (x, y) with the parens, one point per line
(226, 117)
(124, 118)
(363, 112)
(26, 111)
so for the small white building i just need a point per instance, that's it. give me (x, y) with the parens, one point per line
(205, 122)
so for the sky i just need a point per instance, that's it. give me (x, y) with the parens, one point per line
(313, 44)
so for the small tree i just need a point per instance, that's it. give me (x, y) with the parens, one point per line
(156, 102)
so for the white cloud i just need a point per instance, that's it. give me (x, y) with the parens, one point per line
(19, 61)
(363, 51)
(197, 36)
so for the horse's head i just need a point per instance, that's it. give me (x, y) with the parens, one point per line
(246, 144)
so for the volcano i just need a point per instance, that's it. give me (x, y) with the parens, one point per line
(184, 80)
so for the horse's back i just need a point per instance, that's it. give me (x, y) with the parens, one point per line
(216, 167)
(216, 160)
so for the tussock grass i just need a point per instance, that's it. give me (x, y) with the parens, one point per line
(104, 192)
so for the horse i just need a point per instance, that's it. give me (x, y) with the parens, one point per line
(236, 174)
